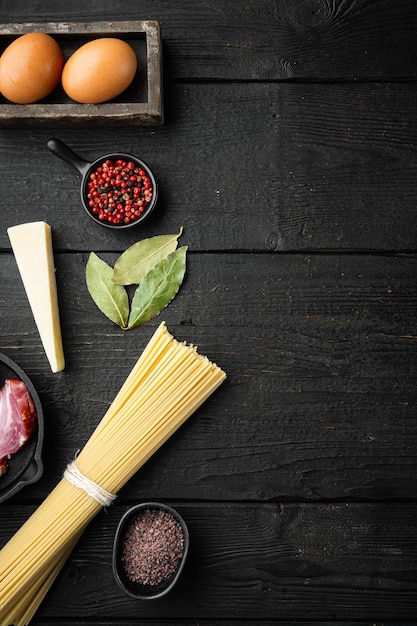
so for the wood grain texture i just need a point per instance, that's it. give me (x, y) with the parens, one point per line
(320, 352)
(257, 167)
(168, 622)
(288, 154)
(255, 562)
(262, 39)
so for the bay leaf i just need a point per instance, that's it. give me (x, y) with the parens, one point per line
(111, 299)
(158, 288)
(135, 262)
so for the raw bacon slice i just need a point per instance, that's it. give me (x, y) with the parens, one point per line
(18, 419)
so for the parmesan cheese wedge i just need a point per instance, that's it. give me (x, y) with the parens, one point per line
(32, 247)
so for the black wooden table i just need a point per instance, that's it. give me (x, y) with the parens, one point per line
(289, 156)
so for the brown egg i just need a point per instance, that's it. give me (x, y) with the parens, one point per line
(30, 68)
(99, 71)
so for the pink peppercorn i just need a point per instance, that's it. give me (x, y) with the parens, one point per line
(119, 192)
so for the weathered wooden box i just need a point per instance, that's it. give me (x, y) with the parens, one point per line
(140, 104)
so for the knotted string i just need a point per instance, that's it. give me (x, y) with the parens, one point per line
(76, 478)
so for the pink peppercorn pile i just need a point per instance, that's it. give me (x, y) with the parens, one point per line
(119, 192)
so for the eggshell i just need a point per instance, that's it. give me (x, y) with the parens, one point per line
(30, 68)
(99, 70)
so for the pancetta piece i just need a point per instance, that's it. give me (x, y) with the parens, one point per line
(18, 419)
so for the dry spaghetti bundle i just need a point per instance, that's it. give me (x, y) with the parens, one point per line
(168, 383)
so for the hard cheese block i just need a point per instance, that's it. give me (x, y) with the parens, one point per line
(32, 247)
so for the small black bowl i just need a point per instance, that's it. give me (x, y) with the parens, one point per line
(86, 168)
(24, 467)
(137, 589)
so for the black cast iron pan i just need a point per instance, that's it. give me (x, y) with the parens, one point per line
(86, 168)
(24, 467)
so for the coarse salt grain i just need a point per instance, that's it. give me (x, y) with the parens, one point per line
(153, 546)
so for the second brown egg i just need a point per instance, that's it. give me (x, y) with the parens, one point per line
(99, 70)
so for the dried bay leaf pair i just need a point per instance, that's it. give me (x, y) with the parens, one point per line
(156, 265)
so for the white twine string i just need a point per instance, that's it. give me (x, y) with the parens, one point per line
(76, 478)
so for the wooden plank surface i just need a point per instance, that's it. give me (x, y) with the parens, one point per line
(257, 562)
(262, 40)
(310, 174)
(288, 156)
(320, 401)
